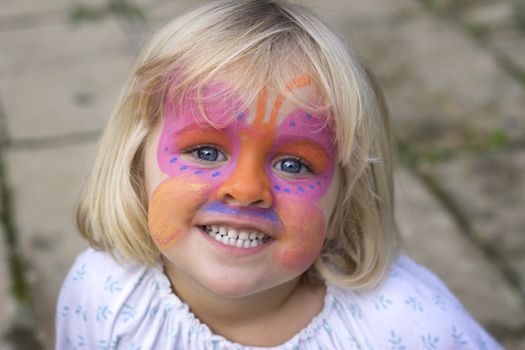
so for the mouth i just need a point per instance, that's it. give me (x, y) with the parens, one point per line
(236, 238)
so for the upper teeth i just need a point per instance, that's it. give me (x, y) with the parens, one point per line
(237, 238)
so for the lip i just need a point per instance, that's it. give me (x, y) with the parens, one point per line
(237, 222)
(234, 251)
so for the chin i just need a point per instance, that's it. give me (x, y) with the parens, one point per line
(234, 287)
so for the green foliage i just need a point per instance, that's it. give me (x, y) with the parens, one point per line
(417, 155)
(519, 16)
(85, 13)
(477, 30)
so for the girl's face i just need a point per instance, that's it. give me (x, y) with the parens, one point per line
(243, 206)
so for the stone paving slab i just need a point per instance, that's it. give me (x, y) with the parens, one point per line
(514, 344)
(19, 8)
(433, 239)
(489, 190)
(45, 184)
(8, 313)
(60, 100)
(56, 44)
(442, 88)
(501, 25)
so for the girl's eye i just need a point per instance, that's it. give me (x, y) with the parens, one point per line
(208, 154)
(291, 166)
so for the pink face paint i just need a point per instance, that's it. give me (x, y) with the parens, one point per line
(304, 230)
(252, 150)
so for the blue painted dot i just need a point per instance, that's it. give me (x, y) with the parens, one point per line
(287, 190)
(173, 160)
(166, 149)
(197, 172)
(292, 124)
(312, 187)
(240, 115)
(215, 174)
(300, 189)
(309, 115)
(325, 177)
(184, 167)
(277, 188)
(318, 183)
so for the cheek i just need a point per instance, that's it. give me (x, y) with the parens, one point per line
(303, 235)
(172, 207)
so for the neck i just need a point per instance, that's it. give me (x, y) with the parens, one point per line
(216, 310)
(267, 318)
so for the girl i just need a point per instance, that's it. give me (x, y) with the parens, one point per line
(241, 198)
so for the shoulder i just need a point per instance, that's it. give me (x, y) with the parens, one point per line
(412, 308)
(99, 299)
(96, 274)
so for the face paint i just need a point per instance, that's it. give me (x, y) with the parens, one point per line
(168, 215)
(248, 175)
(217, 207)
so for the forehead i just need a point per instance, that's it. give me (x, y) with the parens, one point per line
(219, 105)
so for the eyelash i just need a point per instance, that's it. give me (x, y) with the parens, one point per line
(191, 149)
(304, 163)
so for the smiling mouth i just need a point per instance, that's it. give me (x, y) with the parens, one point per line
(236, 238)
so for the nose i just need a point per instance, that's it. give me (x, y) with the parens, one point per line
(248, 186)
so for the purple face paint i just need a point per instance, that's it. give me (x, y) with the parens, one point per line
(266, 214)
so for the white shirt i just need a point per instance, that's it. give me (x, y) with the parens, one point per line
(106, 305)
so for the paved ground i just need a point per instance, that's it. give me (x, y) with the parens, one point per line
(454, 77)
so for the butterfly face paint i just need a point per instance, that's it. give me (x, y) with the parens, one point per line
(255, 162)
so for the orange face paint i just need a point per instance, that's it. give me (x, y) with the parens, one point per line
(310, 151)
(248, 175)
(172, 205)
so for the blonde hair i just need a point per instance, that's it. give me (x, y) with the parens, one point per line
(263, 39)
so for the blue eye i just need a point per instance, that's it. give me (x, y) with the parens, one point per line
(291, 166)
(208, 154)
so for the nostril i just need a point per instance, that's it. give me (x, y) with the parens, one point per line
(258, 203)
(228, 197)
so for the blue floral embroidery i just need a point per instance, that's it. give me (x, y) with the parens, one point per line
(134, 346)
(416, 305)
(65, 311)
(80, 273)
(394, 272)
(429, 342)
(111, 285)
(396, 343)
(327, 328)
(353, 342)
(153, 311)
(381, 302)
(439, 302)
(481, 343)
(103, 313)
(457, 336)
(355, 311)
(81, 341)
(128, 313)
(81, 313)
(114, 344)
(102, 345)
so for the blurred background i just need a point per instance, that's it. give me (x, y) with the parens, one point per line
(453, 72)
